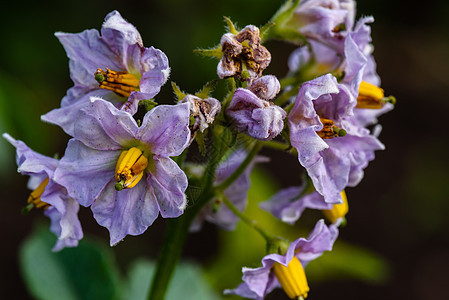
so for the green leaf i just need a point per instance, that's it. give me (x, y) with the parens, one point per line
(85, 272)
(188, 282)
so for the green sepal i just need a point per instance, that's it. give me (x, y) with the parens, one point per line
(26, 210)
(230, 26)
(207, 89)
(178, 93)
(285, 12)
(212, 52)
(148, 103)
(278, 245)
(265, 28)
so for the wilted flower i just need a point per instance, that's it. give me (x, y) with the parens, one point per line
(243, 55)
(110, 154)
(253, 113)
(114, 65)
(286, 269)
(49, 195)
(202, 110)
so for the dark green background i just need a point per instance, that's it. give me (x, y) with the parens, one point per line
(399, 210)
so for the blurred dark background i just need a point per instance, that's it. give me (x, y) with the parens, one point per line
(398, 211)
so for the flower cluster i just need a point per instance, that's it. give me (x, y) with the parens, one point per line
(131, 167)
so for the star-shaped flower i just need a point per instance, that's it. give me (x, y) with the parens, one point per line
(113, 65)
(123, 170)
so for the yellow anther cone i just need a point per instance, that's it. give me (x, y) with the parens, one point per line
(370, 96)
(35, 196)
(129, 169)
(292, 278)
(338, 210)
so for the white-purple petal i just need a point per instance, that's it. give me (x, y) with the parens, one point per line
(87, 52)
(288, 204)
(77, 97)
(30, 162)
(85, 171)
(129, 211)
(101, 126)
(166, 129)
(168, 183)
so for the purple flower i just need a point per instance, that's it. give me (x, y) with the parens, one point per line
(237, 192)
(114, 65)
(253, 113)
(110, 154)
(326, 21)
(47, 194)
(258, 282)
(322, 114)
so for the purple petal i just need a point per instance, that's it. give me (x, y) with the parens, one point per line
(129, 211)
(169, 184)
(258, 118)
(155, 71)
(30, 162)
(65, 225)
(320, 239)
(120, 35)
(165, 129)
(77, 98)
(287, 205)
(102, 126)
(85, 171)
(87, 52)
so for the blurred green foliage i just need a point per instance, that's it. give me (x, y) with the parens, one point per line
(89, 271)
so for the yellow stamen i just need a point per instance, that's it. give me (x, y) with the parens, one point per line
(370, 96)
(35, 196)
(330, 130)
(292, 278)
(129, 169)
(338, 210)
(122, 83)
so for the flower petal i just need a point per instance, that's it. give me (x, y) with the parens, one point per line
(120, 35)
(77, 98)
(129, 211)
(87, 52)
(101, 126)
(169, 184)
(166, 129)
(320, 239)
(30, 162)
(84, 171)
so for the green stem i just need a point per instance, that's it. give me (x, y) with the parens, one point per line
(276, 145)
(175, 236)
(250, 222)
(239, 171)
(178, 228)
